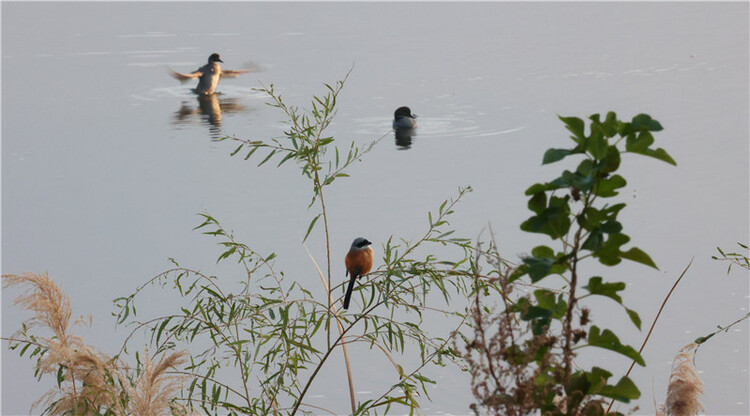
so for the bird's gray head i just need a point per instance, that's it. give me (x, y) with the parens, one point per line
(215, 58)
(360, 243)
(403, 112)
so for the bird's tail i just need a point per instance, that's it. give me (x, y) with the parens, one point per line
(348, 296)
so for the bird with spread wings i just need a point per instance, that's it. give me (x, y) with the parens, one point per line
(209, 75)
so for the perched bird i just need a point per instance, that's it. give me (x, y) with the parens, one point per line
(404, 119)
(358, 262)
(208, 75)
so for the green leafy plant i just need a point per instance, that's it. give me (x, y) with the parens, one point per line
(522, 357)
(734, 259)
(255, 342)
(264, 345)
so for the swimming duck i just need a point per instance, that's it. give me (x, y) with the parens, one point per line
(208, 75)
(404, 119)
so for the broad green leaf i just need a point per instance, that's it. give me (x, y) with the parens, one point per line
(542, 251)
(639, 143)
(538, 267)
(518, 273)
(538, 202)
(546, 299)
(552, 221)
(607, 187)
(624, 391)
(594, 242)
(611, 162)
(576, 180)
(576, 126)
(609, 254)
(578, 387)
(608, 340)
(585, 167)
(597, 378)
(590, 218)
(661, 154)
(611, 227)
(539, 317)
(645, 122)
(611, 211)
(553, 155)
(540, 187)
(637, 255)
(609, 127)
(596, 286)
(597, 144)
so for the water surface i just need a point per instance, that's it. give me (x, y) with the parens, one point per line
(106, 159)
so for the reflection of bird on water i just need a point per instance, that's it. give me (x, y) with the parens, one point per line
(208, 75)
(210, 109)
(358, 262)
(404, 126)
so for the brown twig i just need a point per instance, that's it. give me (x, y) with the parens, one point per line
(653, 325)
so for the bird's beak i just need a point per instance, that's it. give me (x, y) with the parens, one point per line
(220, 61)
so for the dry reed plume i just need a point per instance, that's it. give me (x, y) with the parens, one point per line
(685, 388)
(155, 388)
(89, 381)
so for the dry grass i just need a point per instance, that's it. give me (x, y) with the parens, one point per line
(88, 381)
(155, 388)
(685, 388)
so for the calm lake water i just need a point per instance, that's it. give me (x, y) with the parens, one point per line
(106, 160)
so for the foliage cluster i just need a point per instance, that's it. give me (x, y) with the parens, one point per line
(258, 349)
(522, 357)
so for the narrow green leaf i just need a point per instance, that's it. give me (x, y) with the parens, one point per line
(310, 227)
(287, 157)
(270, 155)
(237, 150)
(634, 317)
(60, 375)
(250, 153)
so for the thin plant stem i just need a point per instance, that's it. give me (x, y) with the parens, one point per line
(340, 327)
(653, 324)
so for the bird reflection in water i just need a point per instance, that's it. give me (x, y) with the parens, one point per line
(404, 137)
(210, 109)
(405, 127)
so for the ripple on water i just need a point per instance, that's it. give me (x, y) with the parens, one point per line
(451, 126)
(185, 92)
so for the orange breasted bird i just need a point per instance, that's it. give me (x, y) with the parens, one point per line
(358, 262)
